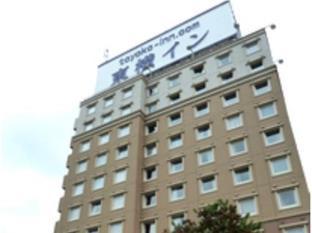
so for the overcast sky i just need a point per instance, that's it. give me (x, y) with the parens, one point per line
(49, 52)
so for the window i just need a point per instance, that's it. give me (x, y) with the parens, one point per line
(151, 127)
(252, 47)
(267, 110)
(118, 201)
(151, 149)
(149, 199)
(176, 220)
(242, 175)
(234, 121)
(108, 101)
(262, 87)
(81, 166)
(227, 76)
(201, 109)
(127, 93)
(85, 146)
(198, 69)
(200, 87)
(175, 119)
(175, 141)
(101, 159)
(151, 107)
(88, 126)
(297, 229)
(116, 227)
(173, 81)
(238, 146)
(78, 189)
(256, 64)
(104, 138)
(152, 90)
(173, 98)
(230, 98)
(150, 173)
(176, 165)
(273, 136)
(123, 131)
(98, 182)
(208, 184)
(205, 156)
(280, 165)
(122, 152)
(74, 213)
(91, 109)
(224, 59)
(125, 110)
(106, 118)
(149, 226)
(203, 132)
(120, 176)
(95, 207)
(247, 206)
(177, 192)
(287, 198)
(93, 230)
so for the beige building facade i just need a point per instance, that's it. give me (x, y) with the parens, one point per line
(151, 149)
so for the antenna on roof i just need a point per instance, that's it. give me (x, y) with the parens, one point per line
(106, 55)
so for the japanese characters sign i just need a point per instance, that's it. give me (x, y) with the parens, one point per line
(191, 36)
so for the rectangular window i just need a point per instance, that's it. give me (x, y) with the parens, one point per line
(125, 110)
(74, 213)
(256, 64)
(81, 166)
(93, 230)
(267, 110)
(247, 206)
(127, 93)
(118, 201)
(101, 159)
(205, 156)
(176, 220)
(151, 149)
(175, 119)
(108, 101)
(238, 146)
(200, 87)
(230, 98)
(287, 198)
(177, 192)
(91, 109)
(78, 189)
(203, 132)
(120, 176)
(208, 184)
(151, 107)
(234, 121)
(280, 165)
(152, 90)
(173, 98)
(176, 165)
(173, 81)
(104, 138)
(149, 226)
(151, 128)
(252, 47)
(201, 109)
(116, 227)
(242, 175)
(88, 126)
(107, 118)
(150, 173)
(227, 76)
(122, 152)
(85, 146)
(273, 136)
(198, 69)
(98, 182)
(296, 229)
(224, 59)
(149, 199)
(123, 131)
(95, 208)
(262, 87)
(175, 141)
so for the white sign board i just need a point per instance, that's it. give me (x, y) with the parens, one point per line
(191, 36)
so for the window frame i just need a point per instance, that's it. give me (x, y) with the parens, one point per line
(250, 174)
(266, 140)
(288, 162)
(199, 161)
(296, 197)
(120, 175)
(123, 201)
(201, 184)
(203, 135)
(103, 155)
(225, 102)
(170, 165)
(255, 201)
(274, 107)
(228, 126)
(239, 153)
(171, 199)
(95, 179)
(170, 146)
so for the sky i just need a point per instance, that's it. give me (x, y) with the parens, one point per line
(49, 52)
